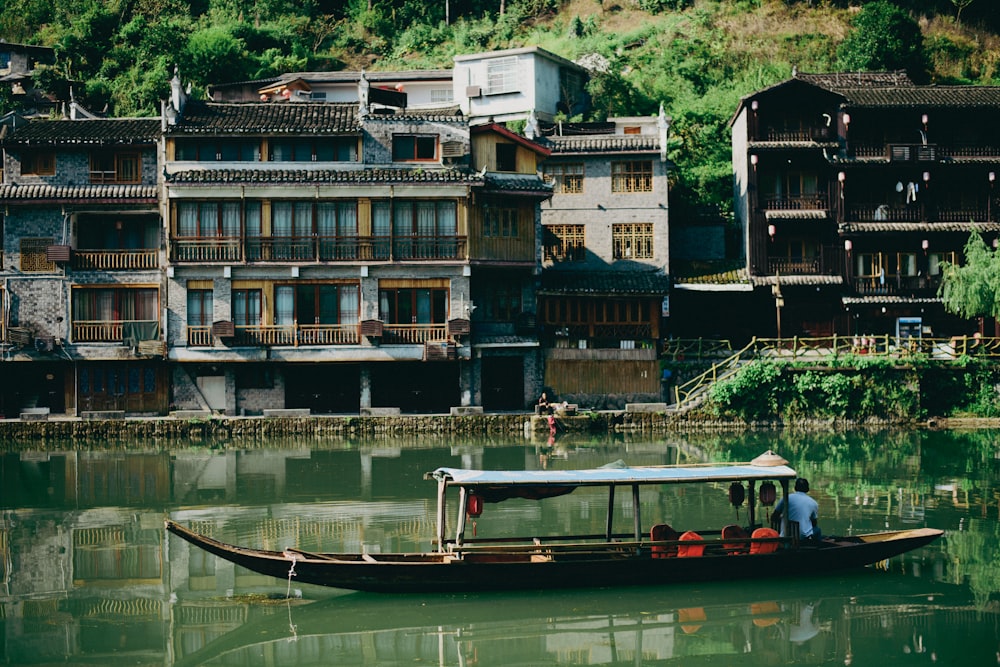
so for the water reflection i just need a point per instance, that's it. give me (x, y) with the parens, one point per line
(87, 573)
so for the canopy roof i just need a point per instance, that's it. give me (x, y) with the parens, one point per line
(607, 476)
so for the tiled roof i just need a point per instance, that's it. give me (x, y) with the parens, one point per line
(517, 183)
(722, 272)
(449, 114)
(924, 96)
(606, 143)
(838, 80)
(796, 214)
(322, 176)
(862, 227)
(300, 118)
(887, 299)
(782, 145)
(605, 283)
(109, 194)
(90, 132)
(811, 279)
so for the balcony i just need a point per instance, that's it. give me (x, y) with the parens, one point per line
(919, 152)
(318, 248)
(807, 134)
(112, 331)
(804, 202)
(293, 335)
(598, 336)
(115, 260)
(896, 285)
(413, 334)
(916, 212)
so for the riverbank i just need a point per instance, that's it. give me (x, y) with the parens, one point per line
(21, 433)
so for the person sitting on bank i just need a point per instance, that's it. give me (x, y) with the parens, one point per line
(543, 404)
(802, 510)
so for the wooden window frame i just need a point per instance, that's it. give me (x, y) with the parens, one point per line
(413, 147)
(631, 176)
(502, 76)
(32, 252)
(632, 240)
(566, 177)
(114, 167)
(565, 243)
(500, 222)
(38, 162)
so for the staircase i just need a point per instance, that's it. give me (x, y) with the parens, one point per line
(693, 393)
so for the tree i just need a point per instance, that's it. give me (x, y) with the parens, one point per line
(884, 37)
(972, 289)
(959, 6)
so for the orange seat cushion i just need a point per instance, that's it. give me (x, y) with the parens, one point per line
(690, 550)
(661, 532)
(763, 547)
(735, 532)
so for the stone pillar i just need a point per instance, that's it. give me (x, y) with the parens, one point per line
(465, 385)
(366, 386)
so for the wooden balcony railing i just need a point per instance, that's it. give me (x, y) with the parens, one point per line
(102, 331)
(916, 212)
(413, 333)
(875, 285)
(216, 249)
(805, 202)
(112, 260)
(318, 248)
(803, 134)
(603, 335)
(199, 336)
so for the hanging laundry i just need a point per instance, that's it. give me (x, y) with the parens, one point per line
(911, 192)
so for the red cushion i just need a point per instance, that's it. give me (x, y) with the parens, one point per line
(763, 547)
(690, 550)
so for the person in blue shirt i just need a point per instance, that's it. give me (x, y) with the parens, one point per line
(802, 509)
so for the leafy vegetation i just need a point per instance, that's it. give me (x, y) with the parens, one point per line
(697, 57)
(859, 388)
(972, 289)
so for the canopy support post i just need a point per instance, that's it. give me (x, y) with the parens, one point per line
(752, 503)
(611, 511)
(784, 514)
(637, 523)
(463, 498)
(442, 488)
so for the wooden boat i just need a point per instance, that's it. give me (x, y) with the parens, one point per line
(639, 557)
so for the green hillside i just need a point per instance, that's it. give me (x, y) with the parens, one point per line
(697, 57)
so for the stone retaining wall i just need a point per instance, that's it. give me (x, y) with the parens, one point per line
(30, 434)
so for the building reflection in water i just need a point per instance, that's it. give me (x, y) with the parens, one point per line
(87, 573)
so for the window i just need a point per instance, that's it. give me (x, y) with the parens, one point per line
(567, 179)
(108, 167)
(502, 301)
(199, 307)
(935, 259)
(217, 150)
(424, 229)
(214, 219)
(247, 307)
(413, 305)
(632, 240)
(631, 129)
(316, 304)
(337, 149)
(414, 147)
(442, 95)
(564, 243)
(33, 258)
(906, 264)
(506, 157)
(38, 163)
(500, 222)
(501, 76)
(4, 59)
(632, 176)
(116, 304)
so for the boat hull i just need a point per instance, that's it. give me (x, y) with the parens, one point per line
(398, 573)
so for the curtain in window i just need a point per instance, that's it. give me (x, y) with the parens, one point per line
(151, 235)
(253, 218)
(199, 307)
(328, 304)
(246, 307)
(423, 306)
(447, 219)
(187, 219)
(326, 218)
(426, 217)
(281, 218)
(284, 304)
(208, 214)
(303, 219)
(231, 219)
(403, 218)
(380, 218)
(347, 218)
(349, 304)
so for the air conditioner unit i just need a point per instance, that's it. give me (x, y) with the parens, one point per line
(45, 344)
(473, 91)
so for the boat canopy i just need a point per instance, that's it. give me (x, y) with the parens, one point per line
(611, 475)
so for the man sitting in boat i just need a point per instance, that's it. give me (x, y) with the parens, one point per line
(803, 512)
